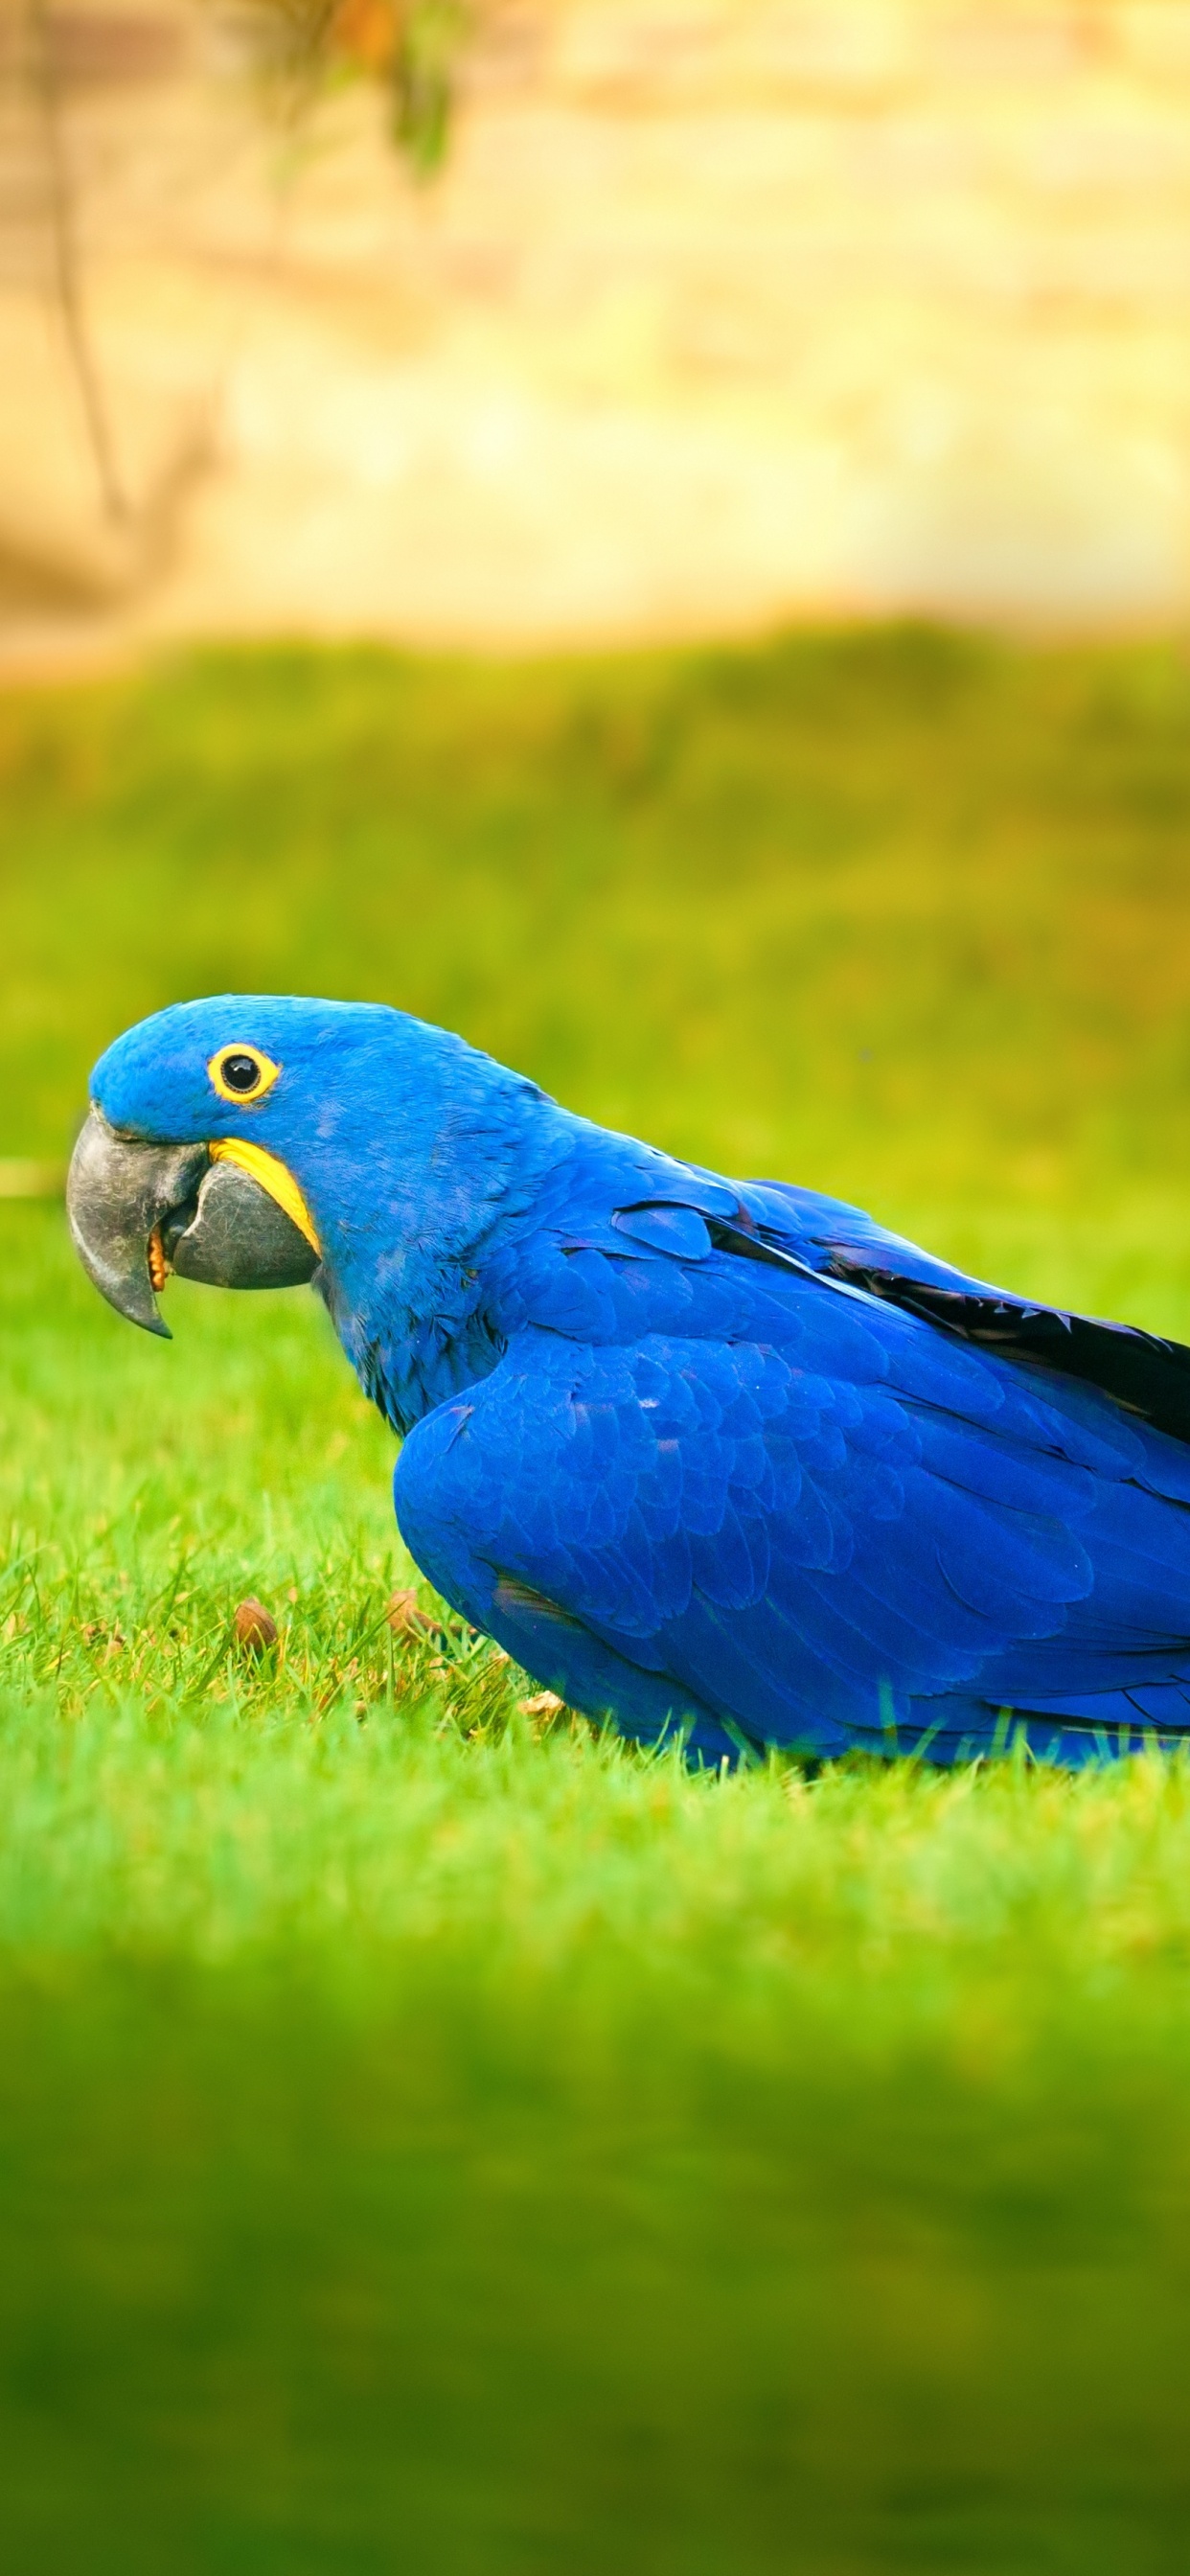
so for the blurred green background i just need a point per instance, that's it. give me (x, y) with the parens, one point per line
(435, 2137)
(898, 912)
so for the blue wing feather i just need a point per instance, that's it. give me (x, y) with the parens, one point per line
(736, 1490)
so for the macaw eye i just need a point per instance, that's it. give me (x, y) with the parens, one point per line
(242, 1073)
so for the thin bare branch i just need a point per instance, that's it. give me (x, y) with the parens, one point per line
(67, 269)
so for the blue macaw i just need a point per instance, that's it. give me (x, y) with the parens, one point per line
(722, 1459)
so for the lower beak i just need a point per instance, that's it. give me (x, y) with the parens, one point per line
(137, 1211)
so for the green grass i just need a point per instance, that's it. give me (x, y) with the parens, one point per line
(432, 2136)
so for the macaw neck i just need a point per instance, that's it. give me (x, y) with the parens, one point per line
(408, 1250)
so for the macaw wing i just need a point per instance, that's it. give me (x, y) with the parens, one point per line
(1145, 1372)
(849, 1526)
(685, 1214)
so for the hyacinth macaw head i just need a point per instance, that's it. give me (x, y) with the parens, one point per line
(256, 1140)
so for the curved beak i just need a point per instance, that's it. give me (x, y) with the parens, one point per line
(137, 1211)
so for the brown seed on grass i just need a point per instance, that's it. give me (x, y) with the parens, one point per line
(255, 1630)
(542, 1704)
(95, 1634)
(406, 1620)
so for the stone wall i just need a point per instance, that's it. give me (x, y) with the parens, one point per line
(725, 310)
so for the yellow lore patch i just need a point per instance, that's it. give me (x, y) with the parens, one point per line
(272, 1177)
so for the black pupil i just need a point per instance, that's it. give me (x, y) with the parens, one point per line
(240, 1072)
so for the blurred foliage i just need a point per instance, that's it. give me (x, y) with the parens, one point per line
(896, 914)
(409, 48)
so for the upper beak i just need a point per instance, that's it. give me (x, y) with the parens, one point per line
(137, 1210)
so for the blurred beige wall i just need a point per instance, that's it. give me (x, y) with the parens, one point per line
(724, 310)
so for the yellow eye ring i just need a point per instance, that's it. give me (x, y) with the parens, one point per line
(242, 1074)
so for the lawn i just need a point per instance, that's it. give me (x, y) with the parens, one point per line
(433, 2137)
